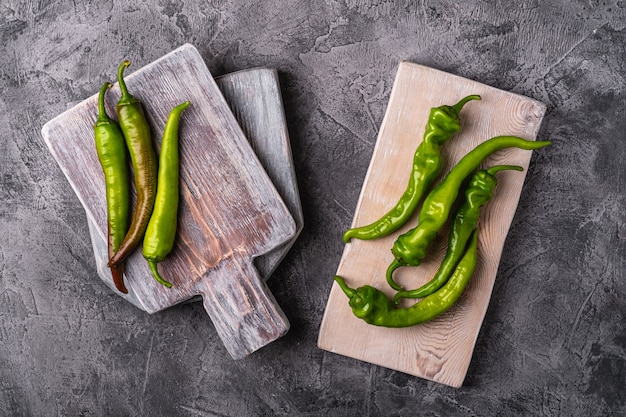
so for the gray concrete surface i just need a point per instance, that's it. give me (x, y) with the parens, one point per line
(553, 341)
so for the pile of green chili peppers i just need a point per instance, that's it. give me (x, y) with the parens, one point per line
(466, 187)
(154, 217)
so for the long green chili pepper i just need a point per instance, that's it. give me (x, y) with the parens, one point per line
(161, 231)
(136, 130)
(410, 247)
(374, 307)
(443, 123)
(113, 158)
(479, 191)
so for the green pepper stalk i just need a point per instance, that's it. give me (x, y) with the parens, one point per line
(136, 131)
(160, 234)
(113, 158)
(374, 307)
(443, 123)
(411, 247)
(478, 193)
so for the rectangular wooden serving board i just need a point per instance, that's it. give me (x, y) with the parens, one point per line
(439, 350)
(229, 213)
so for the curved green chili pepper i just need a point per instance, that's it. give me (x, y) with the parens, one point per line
(443, 123)
(478, 193)
(161, 231)
(374, 307)
(136, 130)
(410, 247)
(113, 158)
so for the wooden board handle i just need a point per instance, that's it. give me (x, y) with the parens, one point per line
(242, 308)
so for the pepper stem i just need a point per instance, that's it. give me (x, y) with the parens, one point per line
(458, 106)
(392, 267)
(155, 274)
(180, 107)
(120, 79)
(350, 292)
(102, 112)
(497, 168)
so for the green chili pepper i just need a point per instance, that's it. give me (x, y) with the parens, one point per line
(410, 247)
(479, 191)
(113, 158)
(374, 307)
(161, 231)
(136, 131)
(443, 123)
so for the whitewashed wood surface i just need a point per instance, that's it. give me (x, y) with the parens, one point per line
(440, 350)
(230, 212)
(255, 99)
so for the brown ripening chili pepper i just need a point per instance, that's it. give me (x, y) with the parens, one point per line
(136, 131)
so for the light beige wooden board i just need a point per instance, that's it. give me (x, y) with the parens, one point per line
(230, 212)
(440, 350)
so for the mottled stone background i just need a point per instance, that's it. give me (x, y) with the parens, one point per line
(553, 341)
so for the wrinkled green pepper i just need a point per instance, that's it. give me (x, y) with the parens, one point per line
(443, 123)
(479, 191)
(411, 247)
(374, 307)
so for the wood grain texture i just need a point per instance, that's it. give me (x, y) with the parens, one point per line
(254, 97)
(229, 213)
(439, 350)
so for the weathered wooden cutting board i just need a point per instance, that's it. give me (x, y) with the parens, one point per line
(229, 213)
(255, 100)
(439, 350)
(254, 97)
